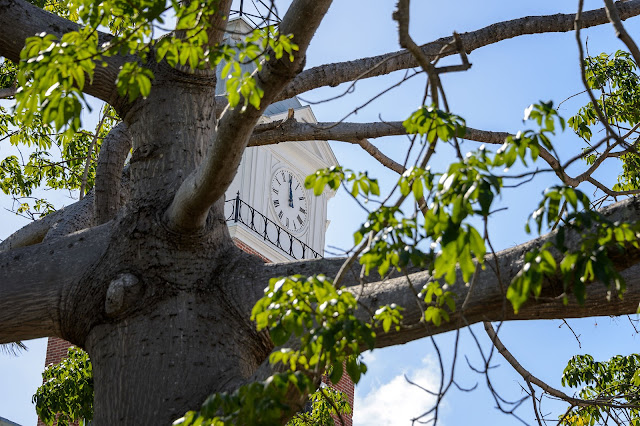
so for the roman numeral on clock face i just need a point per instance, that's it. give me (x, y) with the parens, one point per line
(276, 203)
(280, 214)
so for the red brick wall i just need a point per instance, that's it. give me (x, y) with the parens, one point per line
(56, 350)
(344, 385)
(247, 249)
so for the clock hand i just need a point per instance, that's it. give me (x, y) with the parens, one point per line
(290, 193)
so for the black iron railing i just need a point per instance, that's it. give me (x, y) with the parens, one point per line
(237, 211)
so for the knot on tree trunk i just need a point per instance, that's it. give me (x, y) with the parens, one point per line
(122, 293)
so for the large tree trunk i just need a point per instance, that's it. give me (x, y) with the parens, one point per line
(163, 361)
(161, 324)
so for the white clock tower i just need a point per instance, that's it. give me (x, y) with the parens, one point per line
(268, 209)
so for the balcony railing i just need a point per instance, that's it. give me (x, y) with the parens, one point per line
(237, 211)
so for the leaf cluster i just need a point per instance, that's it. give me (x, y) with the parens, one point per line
(66, 396)
(258, 403)
(320, 408)
(615, 77)
(51, 77)
(321, 317)
(53, 72)
(616, 381)
(334, 176)
(55, 160)
(433, 123)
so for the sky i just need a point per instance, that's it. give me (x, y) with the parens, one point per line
(504, 79)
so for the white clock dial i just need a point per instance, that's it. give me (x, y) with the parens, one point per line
(289, 200)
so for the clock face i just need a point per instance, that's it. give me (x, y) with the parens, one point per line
(289, 200)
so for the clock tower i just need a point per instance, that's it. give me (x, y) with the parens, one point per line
(267, 206)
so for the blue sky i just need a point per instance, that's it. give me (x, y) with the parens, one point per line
(504, 79)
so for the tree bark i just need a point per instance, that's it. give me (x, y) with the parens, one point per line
(30, 234)
(177, 333)
(108, 188)
(72, 218)
(169, 360)
(75, 217)
(35, 282)
(290, 130)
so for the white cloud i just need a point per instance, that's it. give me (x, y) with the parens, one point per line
(369, 357)
(397, 401)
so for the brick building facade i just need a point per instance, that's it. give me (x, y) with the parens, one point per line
(346, 386)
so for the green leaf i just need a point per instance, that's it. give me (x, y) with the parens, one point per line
(353, 369)
(336, 373)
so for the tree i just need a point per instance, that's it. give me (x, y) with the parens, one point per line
(152, 282)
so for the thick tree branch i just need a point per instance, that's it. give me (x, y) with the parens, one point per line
(218, 23)
(34, 280)
(341, 72)
(113, 154)
(358, 133)
(86, 212)
(487, 301)
(30, 234)
(20, 20)
(291, 130)
(74, 217)
(208, 183)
